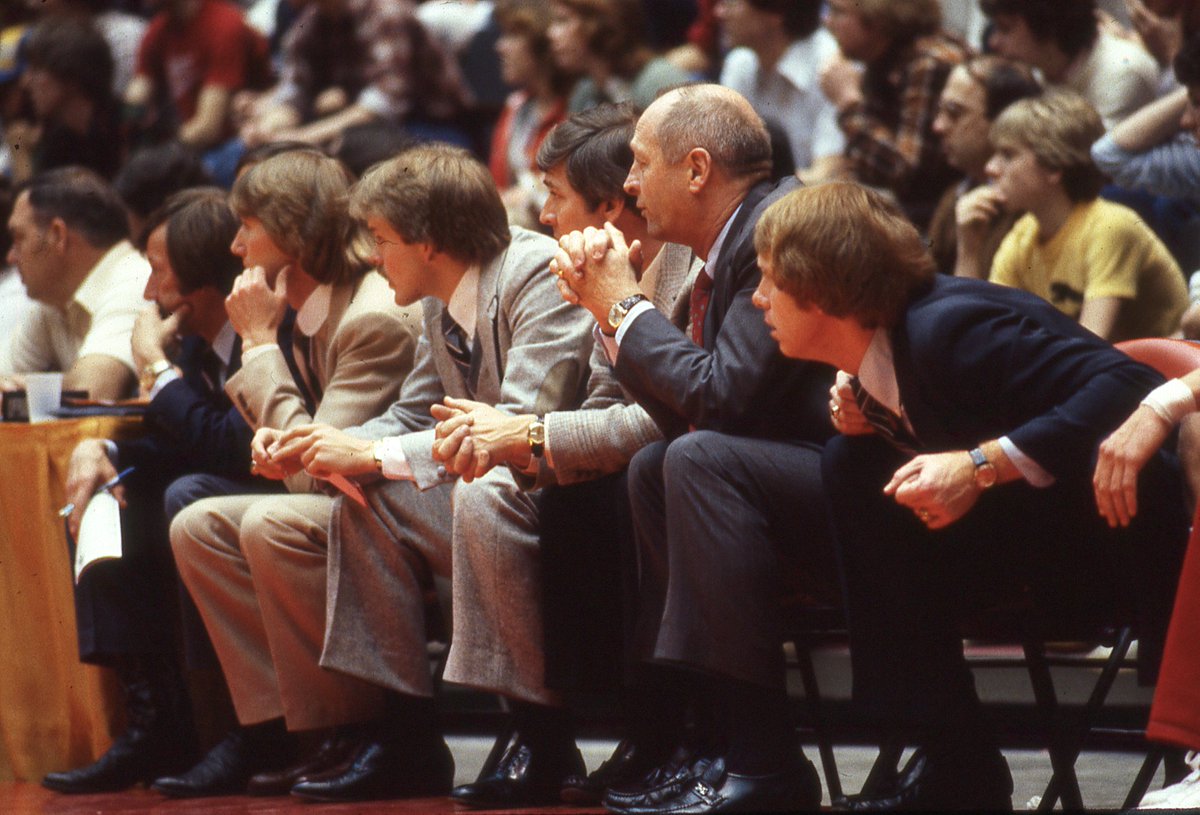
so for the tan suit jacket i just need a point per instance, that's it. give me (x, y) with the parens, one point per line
(361, 356)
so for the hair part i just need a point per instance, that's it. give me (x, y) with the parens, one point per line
(301, 198)
(594, 145)
(1059, 127)
(1070, 24)
(84, 201)
(438, 195)
(847, 250)
(721, 122)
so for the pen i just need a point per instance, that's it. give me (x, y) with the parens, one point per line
(106, 486)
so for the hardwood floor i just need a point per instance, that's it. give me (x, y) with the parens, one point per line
(18, 798)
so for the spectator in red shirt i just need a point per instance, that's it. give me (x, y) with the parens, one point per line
(197, 54)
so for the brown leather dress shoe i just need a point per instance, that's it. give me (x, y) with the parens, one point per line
(334, 751)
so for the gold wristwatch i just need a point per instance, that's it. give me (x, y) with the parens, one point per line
(537, 437)
(153, 371)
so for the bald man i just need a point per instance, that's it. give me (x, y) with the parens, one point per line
(734, 489)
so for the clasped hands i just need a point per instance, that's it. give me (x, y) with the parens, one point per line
(473, 437)
(596, 268)
(318, 449)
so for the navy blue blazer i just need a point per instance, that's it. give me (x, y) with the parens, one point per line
(975, 361)
(191, 426)
(738, 382)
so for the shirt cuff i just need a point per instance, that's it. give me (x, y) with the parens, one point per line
(638, 309)
(609, 344)
(395, 463)
(258, 351)
(1029, 469)
(162, 380)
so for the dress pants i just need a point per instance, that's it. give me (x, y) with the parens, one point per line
(908, 588)
(1175, 714)
(256, 568)
(131, 606)
(483, 535)
(719, 521)
(588, 591)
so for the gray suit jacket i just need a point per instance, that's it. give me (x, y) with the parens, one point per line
(609, 427)
(361, 355)
(533, 351)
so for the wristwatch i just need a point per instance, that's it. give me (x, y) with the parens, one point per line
(377, 454)
(985, 471)
(537, 438)
(153, 371)
(616, 314)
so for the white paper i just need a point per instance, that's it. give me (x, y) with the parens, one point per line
(99, 532)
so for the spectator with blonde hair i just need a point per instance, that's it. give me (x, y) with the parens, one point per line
(887, 109)
(1096, 261)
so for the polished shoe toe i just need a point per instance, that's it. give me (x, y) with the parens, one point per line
(133, 758)
(226, 769)
(944, 780)
(628, 764)
(661, 783)
(333, 752)
(524, 774)
(715, 789)
(381, 770)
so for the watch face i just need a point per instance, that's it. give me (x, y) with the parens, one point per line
(985, 475)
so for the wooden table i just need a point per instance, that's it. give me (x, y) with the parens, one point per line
(55, 713)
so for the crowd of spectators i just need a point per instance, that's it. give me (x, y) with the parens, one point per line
(625, 447)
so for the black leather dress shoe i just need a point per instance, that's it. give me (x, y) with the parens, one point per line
(382, 770)
(628, 764)
(227, 767)
(944, 780)
(523, 775)
(660, 784)
(333, 752)
(795, 788)
(133, 758)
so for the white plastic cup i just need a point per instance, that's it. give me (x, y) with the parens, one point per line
(43, 395)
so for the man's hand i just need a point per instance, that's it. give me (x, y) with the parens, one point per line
(324, 450)
(255, 308)
(974, 214)
(939, 488)
(844, 412)
(262, 462)
(473, 437)
(154, 335)
(841, 82)
(598, 268)
(90, 467)
(1122, 457)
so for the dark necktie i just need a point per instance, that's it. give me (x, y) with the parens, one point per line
(310, 387)
(885, 422)
(458, 346)
(701, 295)
(211, 368)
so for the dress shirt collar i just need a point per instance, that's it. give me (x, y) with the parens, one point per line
(715, 251)
(315, 311)
(877, 372)
(222, 344)
(464, 302)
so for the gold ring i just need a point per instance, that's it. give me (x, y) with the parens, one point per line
(835, 410)
(923, 514)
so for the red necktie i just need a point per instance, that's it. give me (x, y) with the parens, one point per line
(701, 294)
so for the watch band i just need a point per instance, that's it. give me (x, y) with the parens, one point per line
(619, 310)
